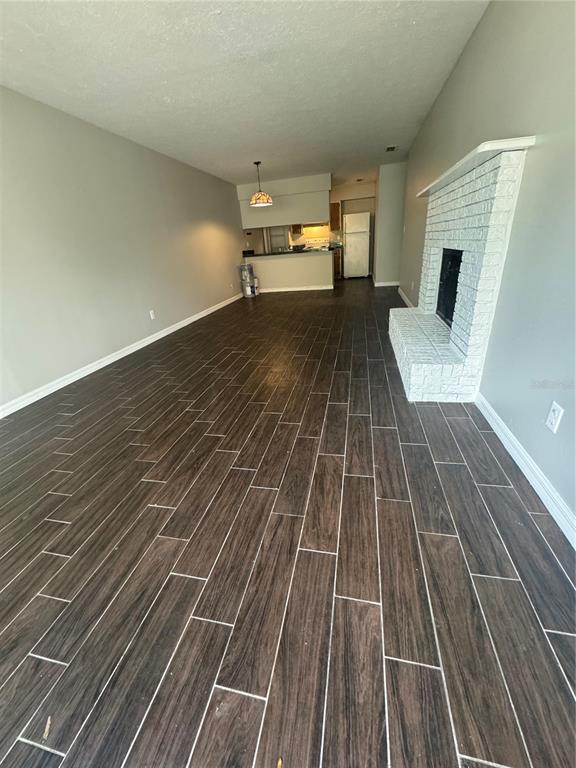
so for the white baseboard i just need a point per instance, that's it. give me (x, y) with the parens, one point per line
(298, 288)
(385, 284)
(550, 497)
(79, 373)
(404, 298)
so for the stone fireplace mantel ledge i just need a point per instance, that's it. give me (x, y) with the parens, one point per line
(441, 345)
(481, 154)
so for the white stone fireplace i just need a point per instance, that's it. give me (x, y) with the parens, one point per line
(470, 210)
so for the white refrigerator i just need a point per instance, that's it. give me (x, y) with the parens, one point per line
(356, 244)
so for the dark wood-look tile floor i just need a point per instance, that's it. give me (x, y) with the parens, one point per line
(242, 543)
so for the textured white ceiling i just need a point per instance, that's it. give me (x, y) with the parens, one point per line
(306, 87)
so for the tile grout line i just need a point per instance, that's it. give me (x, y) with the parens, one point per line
(335, 577)
(430, 608)
(379, 566)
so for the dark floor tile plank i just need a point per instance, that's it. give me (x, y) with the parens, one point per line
(171, 725)
(408, 627)
(551, 592)
(381, 407)
(97, 452)
(73, 698)
(480, 459)
(12, 489)
(430, 507)
(292, 726)
(395, 381)
(343, 360)
(357, 554)
(30, 497)
(323, 511)
(169, 436)
(408, 421)
(565, 649)
(355, 731)
(276, 458)
(280, 397)
(313, 417)
(359, 446)
(177, 454)
(334, 432)
(229, 733)
(20, 556)
(359, 369)
(389, 466)
(249, 659)
(295, 486)
(440, 439)
(112, 482)
(483, 548)
(257, 442)
(542, 699)
(323, 381)
(359, 397)
(483, 717)
(224, 422)
(377, 373)
(150, 434)
(477, 417)
(453, 410)
(110, 730)
(65, 637)
(523, 488)
(244, 424)
(207, 538)
(19, 637)
(340, 388)
(27, 523)
(225, 587)
(24, 755)
(219, 403)
(26, 585)
(294, 411)
(176, 489)
(93, 551)
(20, 696)
(197, 500)
(28, 455)
(420, 728)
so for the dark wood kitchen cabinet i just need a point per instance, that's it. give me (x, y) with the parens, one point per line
(335, 225)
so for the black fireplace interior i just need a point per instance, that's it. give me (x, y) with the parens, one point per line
(451, 261)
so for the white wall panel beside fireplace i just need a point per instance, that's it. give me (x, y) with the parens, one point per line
(469, 213)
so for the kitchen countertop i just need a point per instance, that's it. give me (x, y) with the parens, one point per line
(292, 253)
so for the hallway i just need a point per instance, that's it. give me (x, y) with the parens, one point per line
(242, 543)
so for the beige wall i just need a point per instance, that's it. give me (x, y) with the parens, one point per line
(352, 191)
(95, 232)
(389, 223)
(516, 78)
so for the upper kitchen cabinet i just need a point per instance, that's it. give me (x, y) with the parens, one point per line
(305, 199)
(335, 220)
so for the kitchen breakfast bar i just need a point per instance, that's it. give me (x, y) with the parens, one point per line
(309, 269)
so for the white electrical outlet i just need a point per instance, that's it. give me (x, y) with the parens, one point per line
(152, 315)
(412, 285)
(554, 417)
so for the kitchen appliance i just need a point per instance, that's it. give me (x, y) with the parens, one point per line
(356, 241)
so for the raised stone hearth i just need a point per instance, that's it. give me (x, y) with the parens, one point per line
(470, 209)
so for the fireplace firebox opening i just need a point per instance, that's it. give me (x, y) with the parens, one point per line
(451, 261)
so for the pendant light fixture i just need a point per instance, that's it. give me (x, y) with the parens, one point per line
(260, 199)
